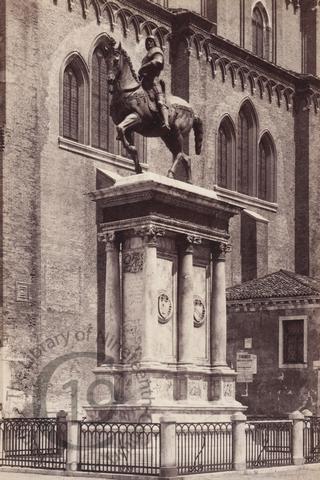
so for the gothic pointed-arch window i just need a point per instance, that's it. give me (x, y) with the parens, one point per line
(260, 32)
(246, 158)
(73, 102)
(102, 128)
(225, 154)
(266, 169)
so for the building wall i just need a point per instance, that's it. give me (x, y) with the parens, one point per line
(228, 20)
(50, 242)
(21, 200)
(234, 22)
(274, 390)
(52, 291)
(289, 43)
(314, 195)
(213, 100)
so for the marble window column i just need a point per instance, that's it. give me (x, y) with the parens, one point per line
(218, 306)
(112, 295)
(186, 306)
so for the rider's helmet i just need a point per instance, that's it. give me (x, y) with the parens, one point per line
(150, 42)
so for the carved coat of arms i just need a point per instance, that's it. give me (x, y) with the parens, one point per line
(164, 307)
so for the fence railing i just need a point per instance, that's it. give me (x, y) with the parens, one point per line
(204, 447)
(311, 439)
(119, 447)
(167, 448)
(33, 442)
(268, 443)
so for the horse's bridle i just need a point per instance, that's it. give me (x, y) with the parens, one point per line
(124, 90)
(116, 82)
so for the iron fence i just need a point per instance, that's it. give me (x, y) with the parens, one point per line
(268, 443)
(204, 447)
(311, 439)
(132, 448)
(34, 443)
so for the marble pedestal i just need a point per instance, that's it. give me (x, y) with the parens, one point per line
(165, 306)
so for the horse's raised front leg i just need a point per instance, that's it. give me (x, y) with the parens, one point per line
(125, 130)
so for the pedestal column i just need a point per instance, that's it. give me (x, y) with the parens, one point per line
(112, 297)
(218, 306)
(150, 234)
(186, 306)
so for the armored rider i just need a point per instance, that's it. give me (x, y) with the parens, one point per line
(152, 66)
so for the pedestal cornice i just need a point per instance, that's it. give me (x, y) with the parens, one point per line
(166, 226)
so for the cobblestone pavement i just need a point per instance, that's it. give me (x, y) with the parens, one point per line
(308, 472)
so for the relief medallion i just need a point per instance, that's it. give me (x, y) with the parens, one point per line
(164, 307)
(199, 311)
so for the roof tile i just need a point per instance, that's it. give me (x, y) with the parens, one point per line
(277, 284)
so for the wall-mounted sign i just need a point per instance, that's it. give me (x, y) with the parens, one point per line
(246, 367)
(248, 343)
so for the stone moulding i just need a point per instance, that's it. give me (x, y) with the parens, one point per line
(98, 155)
(156, 202)
(244, 201)
(272, 304)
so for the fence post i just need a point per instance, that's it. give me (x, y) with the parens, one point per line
(61, 431)
(239, 441)
(72, 445)
(297, 437)
(168, 460)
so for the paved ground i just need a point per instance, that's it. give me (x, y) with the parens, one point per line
(307, 472)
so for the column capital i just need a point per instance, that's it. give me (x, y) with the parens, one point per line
(109, 238)
(188, 242)
(220, 250)
(150, 233)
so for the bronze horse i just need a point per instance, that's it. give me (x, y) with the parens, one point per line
(133, 109)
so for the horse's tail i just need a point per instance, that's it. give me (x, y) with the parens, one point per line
(198, 133)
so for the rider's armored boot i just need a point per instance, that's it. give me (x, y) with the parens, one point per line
(164, 113)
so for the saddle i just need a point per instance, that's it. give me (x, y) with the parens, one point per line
(151, 95)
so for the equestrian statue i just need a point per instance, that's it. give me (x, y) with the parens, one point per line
(140, 104)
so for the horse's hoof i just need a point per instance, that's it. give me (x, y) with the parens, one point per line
(170, 174)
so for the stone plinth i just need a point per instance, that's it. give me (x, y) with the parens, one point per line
(165, 302)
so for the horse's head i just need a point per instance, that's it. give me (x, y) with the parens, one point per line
(114, 64)
(120, 70)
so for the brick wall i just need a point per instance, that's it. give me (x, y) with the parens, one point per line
(274, 390)
(313, 194)
(213, 99)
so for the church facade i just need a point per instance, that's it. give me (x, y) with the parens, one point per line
(250, 69)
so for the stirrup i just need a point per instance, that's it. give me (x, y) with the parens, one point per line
(165, 126)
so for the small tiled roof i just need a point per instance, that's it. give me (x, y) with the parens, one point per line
(277, 284)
